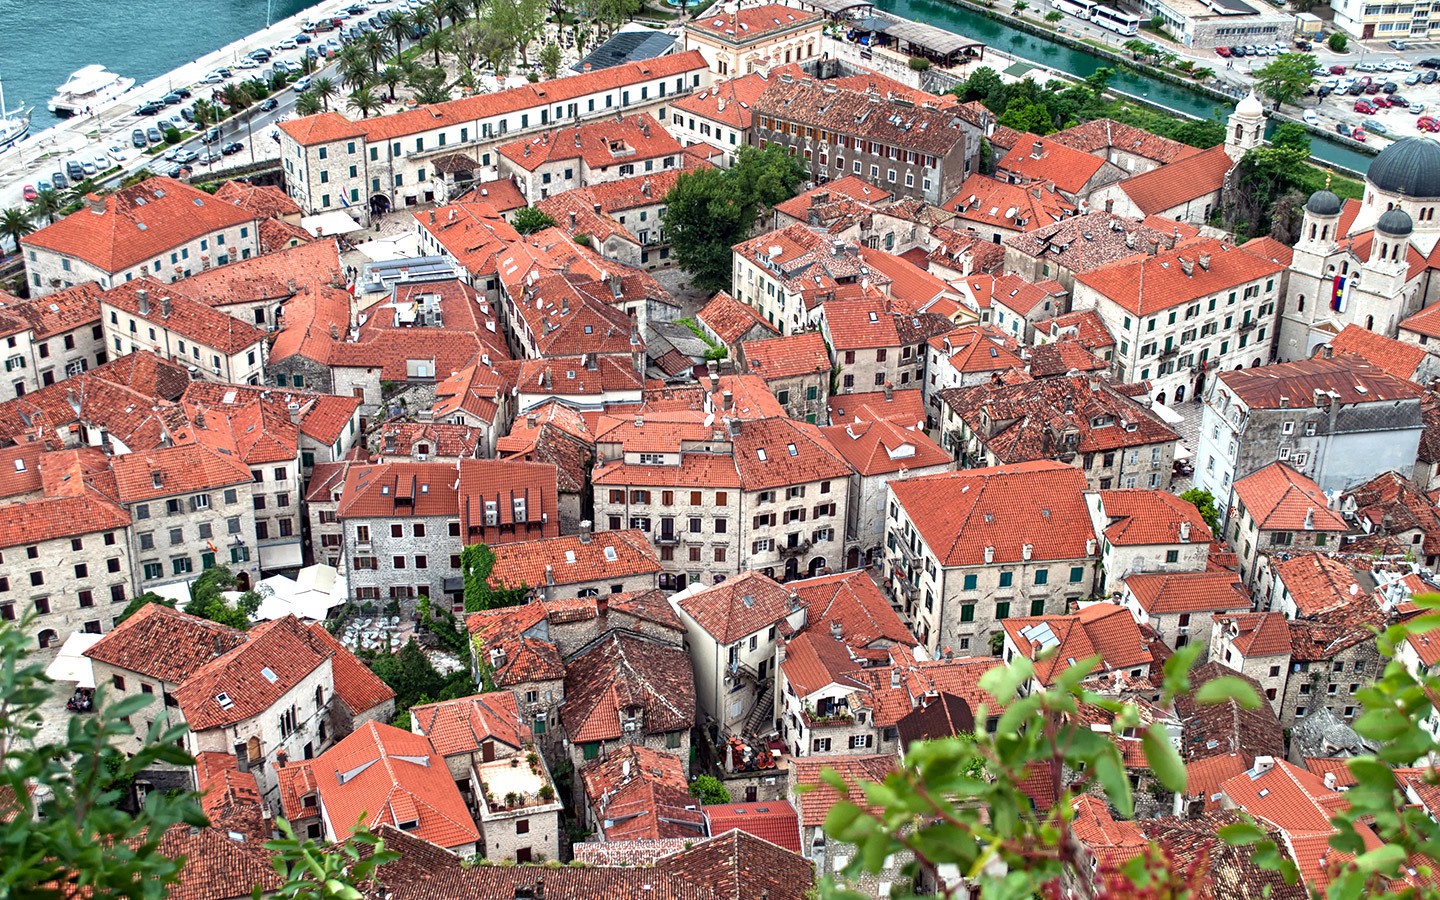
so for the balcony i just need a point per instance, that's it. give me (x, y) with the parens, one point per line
(797, 550)
(1246, 327)
(667, 539)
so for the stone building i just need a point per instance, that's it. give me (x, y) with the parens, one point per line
(796, 369)
(50, 338)
(146, 314)
(736, 41)
(1180, 606)
(566, 159)
(1257, 645)
(1146, 531)
(1277, 510)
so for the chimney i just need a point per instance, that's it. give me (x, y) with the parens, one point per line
(281, 757)
(532, 421)
(989, 554)
(1184, 532)
(894, 677)
(334, 332)
(95, 202)
(1090, 547)
(164, 307)
(1327, 352)
(836, 631)
(1037, 150)
(1026, 551)
(1205, 261)
(432, 217)
(727, 400)
(889, 392)
(572, 218)
(142, 297)
(585, 533)
(602, 606)
(1310, 519)
(1263, 764)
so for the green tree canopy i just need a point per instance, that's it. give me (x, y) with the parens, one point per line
(550, 59)
(1285, 78)
(1204, 501)
(1337, 42)
(709, 790)
(530, 220)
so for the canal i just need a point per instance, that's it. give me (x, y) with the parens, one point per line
(1037, 49)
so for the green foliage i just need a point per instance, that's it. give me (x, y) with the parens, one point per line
(709, 790)
(476, 561)
(1204, 501)
(63, 832)
(710, 210)
(414, 679)
(134, 605)
(441, 622)
(530, 220)
(919, 64)
(1285, 77)
(1337, 42)
(207, 600)
(550, 59)
(312, 872)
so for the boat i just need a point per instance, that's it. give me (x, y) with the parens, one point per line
(89, 87)
(14, 123)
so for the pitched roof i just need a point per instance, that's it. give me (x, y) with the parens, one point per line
(1099, 629)
(905, 407)
(1393, 357)
(1186, 179)
(250, 678)
(853, 601)
(978, 348)
(231, 799)
(1426, 322)
(1084, 327)
(1317, 583)
(630, 762)
(274, 276)
(526, 657)
(741, 863)
(165, 644)
(1280, 498)
(463, 725)
(400, 489)
(390, 777)
(186, 317)
(48, 518)
(1347, 377)
(751, 24)
(772, 453)
(321, 128)
(57, 313)
(840, 110)
(1184, 592)
(1257, 634)
(1043, 159)
(606, 554)
(912, 289)
(819, 795)
(1084, 243)
(1216, 729)
(1205, 775)
(359, 688)
(985, 200)
(1231, 873)
(729, 102)
(775, 821)
(599, 144)
(861, 194)
(786, 357)
(882, 447)
(1146, 284)
(624, 673)
(730, 319)
(738, 606)
(1036, 505)
(265, 200)
(1392, 504)
(217, 867)
(1108, 134)
(1144, 517)
(136, 224)
(946, 716)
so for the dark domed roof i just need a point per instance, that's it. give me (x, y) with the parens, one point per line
(1410, 167)
(1324, 203)
(1395, 222)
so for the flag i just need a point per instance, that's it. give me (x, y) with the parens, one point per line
(1337, 296)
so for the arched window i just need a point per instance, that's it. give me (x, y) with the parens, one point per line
(1312, 231)
(1300, 304)
(319, 697)
(252, 750)
(1370, 323)
(47, 637)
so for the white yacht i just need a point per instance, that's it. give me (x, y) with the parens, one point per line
(90, 87)
(14, 123)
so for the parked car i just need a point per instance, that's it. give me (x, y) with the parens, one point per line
(137, 137)
(1428, 124)
(170, 99)
(268, 104)
(261, 54)
(211, 136)
(89, 168)
(212, 78)
(303, 39)
(149, 108)
(1324, 91)
(1402, 65)
(183, 92)
(60, 181)
(1430, 62)
(188, 114)
(301, 86)
(1417, 108)
(1390, 87)
(116, 152)
(248, 63)
(186, 156)
(29, 193)
(1337, 70)
(1380, 102)
(290, 43)
(1364, 106)
(1429, 77)
(232, 148)
(1413, 78)
(1398, 102)
(155, 135)
(1310, 116)
(1396, 45)
(1376, 128)
(1357, 134)
(74, 170)
(1372, 88)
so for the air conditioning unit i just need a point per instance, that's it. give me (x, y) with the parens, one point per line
(630, 727)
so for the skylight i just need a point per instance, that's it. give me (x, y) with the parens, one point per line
(269, 674)
(611, 555)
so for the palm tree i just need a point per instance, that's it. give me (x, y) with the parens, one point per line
(15, 224)
(363, 101)
(398, 29)
(354, 67)
(325, 88)
(455, 10)
(435, 9)
(234, 97)
(434, 42)
(1202, 74)
(391, 77)
(372, 47)
(204, 112)
(307, 104)
(47, 203)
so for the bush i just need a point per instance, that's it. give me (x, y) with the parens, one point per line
(172, 136)
(919, 63)
(1337, 42)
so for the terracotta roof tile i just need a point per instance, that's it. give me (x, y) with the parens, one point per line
(168, 471)
(625, 673)
(1085, 243)
(1280, 498)
(48, 518)
(854, 602)
(772, 453)
(1231, 873)
(786, 357)
(905, 408)
(752, 23)
(525, 659)
(1170, 185)
(1353, 379)
(1108, 134)
(187, 317)
(1187, 592)
(1425, 322)
(1317, 583)
(814, 661)
(598, 144)
(630, 762)
(1141, 517)
(1146, 284)
(359, 688)
(1100, 629)
(860, 193)
(472, 231)
(248, 679)
(984, 200)
(1068, 169)
(138, 223)
(1258, 634)
(738, 606)
(1391, 504)
(978, 348)
(912, 289)
(461, 726)
(730, 319)
(165, 644)
(57, 313)
(230, 798)
(401, 489)
(729, 102)
(1205, 775)
(528, 563)
(1227, 727)
(321, 128)
(921, 129)
(882, 447)
(819, 796)
(1393, 357)
(270, 277)
(1084, 327)
(755, 853)
(217, 867)
(264, 200)
(1337, 766)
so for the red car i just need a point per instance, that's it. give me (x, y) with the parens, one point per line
(30, 192)
(1428, 123)
(1381, 102)
(1365, 106)
(1222, 51)
(1337, 70)
(1358, 134)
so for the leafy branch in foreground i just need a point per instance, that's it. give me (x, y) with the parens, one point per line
(313, 872)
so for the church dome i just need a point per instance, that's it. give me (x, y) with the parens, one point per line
(1250, 106)
(1395, 222)
(1323, 203)
(1409, 167)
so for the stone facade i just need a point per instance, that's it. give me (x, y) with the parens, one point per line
(172, 536)
(73, 583)
(401, 558)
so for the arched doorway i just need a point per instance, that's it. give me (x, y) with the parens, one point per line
(242, 581)
(47, 637)
(1161, 399)
(379, 205)
(816, 565)
(1180, 395)
(792, 569)
(852, 558)
(1255, 362)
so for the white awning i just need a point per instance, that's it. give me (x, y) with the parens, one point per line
(1183, 452)
(405, 246)
(281, 556)
(311, 595)
(329, 224)
(1166, 414)
(72, 664)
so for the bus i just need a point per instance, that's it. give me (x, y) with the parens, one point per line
(1080, 9)
(1115, 20)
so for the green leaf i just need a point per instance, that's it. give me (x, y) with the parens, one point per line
(1240, 833)
(1110, 772)
(1163, 758)
(1228, 687)
(1002, 682)
(1385, 859)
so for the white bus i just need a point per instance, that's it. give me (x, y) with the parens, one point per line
(1115, 20)
(1080, 9)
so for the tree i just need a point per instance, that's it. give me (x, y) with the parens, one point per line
(312, 872)
(919, 64)
(709, 790)
(435, 42)
(391, 77)
(207, 598)
(15, 224)
(708, 211)
(372, 47)
(47, 205)
(144, 599)
(1204, 501)
(363, 101)
(521, 21)
(1020, 6)
(398, 28)
(1285, 77)
(1202, 74)
(325, 89)
(1337, 42)
(1024, 116)
(307, 104)
(530, 220)
(1054, 16)
(550, 59)
(1291, 136)
(62, 829)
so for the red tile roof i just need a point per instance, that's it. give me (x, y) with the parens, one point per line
(1393, 357)
(1108, 134)
(978, 348)
(1286, 796)
(1295, 383)
(188, 317)
(729, 102)
(532, 563)
(1043, 159)
(882, 447)
(850, 194)
(730, 319)
(463, 725)
(776, 821)
(400, 489)
(1146, 284)
(502, 482)
(1393, 505)
(1317, 583)
(360, 689)
(1187, 179)
(912, 289)
(57, 313)
(230, 798)
(48, 518)
(1211, 729)
(740, 865)
(525, 659)
(630, 762)
(1257, 634)
(814, 661)
(1034, 504)
(1280, 498)
(754, 23)
(854, 602)
(250, 678)
(625, 673)
(1337, 766)
(905, 408)
(1426, 321)
(600, 144)
(169, 471)
(264, 200)
(472, 231)
(1231, 872)
(739, 606)
(1084, 327)
(392, 777)
(772, 453)
(819, 795)
(1100, 629)
(218, 867)
(137, 224)
(1203, 777)
(786, 357)
(164, 644)
(1184, 592)
(321, 128)
(984, 200)
(270, 277)
(1141, 517)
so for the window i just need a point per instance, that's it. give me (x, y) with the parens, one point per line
(1042, 576)
(1172, 556)
(820, 745)
(522, 826)
(1006, 579)
(970, 581)
(1077, 574)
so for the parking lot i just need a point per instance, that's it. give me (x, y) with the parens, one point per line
(1387, 98)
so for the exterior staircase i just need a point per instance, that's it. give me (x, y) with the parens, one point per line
(762, 717)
